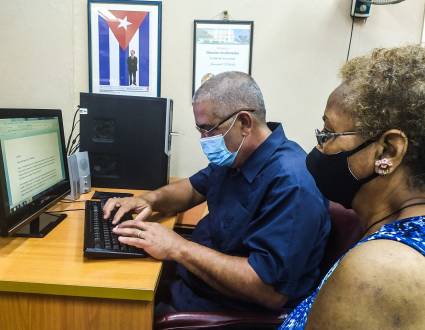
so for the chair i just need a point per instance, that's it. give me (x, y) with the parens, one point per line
(345, 231)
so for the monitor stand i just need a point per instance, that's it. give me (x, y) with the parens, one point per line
(41, 226)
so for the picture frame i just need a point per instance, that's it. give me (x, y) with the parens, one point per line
(125, 47)
(219, 46)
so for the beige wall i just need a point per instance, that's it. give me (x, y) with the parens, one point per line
(298, 47)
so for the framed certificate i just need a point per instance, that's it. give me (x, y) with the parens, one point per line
(125, 47)
(220, 46)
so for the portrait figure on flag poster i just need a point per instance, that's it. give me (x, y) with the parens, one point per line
(124, 47)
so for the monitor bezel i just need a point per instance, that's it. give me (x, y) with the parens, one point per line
(10, 223)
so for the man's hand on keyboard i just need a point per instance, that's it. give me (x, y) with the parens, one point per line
(158, 241)
(124, 205)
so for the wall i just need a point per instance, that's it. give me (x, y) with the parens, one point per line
(298, 47)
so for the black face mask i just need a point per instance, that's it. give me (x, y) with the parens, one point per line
(333, 176)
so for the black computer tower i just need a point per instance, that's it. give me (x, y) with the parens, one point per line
(128, 139)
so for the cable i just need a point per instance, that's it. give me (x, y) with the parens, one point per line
(71, 200)
(76, 124)
(351, 37)
(68, 201)
(72, 129)
(63, 211)
(75, 149)
(70, 151)
(74, 141)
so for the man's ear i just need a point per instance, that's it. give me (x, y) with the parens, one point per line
(392, 149)
(246, 123)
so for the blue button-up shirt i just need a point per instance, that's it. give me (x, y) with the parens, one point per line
(269, 211)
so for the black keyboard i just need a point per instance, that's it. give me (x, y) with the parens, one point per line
(99, 241)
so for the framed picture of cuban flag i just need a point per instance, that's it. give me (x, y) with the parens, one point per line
(125, 47)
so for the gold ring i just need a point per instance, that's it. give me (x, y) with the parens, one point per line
(139, 234)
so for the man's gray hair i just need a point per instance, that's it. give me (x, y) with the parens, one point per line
(231, 91)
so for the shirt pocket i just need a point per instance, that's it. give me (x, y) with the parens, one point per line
(232, 227)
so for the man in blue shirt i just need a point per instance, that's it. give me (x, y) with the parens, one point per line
(262, 242)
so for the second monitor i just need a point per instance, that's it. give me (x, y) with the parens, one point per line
(128, 139)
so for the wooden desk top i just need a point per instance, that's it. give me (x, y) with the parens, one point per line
(55, 264)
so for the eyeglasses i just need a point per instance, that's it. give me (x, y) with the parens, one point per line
(207, 131)
(323, 137)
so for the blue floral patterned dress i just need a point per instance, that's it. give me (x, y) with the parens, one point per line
(410, 231)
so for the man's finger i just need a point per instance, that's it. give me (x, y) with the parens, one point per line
(108, 207)
(121, 211)
(128, 232)
(144, 214)
(134, 224)
(140, 243)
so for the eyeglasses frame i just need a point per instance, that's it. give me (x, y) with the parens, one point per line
(328, 135)
(206, 132)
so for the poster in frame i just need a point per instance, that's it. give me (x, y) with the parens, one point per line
(125, 47)
(219, 46)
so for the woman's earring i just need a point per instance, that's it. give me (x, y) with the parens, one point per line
(383, 166)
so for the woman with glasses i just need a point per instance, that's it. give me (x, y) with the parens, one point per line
(370, 156)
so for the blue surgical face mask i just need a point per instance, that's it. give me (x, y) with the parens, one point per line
(215, 149)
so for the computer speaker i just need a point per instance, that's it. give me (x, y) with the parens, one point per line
(79, 173)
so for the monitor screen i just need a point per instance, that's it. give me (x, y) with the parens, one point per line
(33, 170)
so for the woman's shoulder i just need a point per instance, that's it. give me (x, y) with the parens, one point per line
(382, 258)
(397, 248)
(381, 265)
(378, 284)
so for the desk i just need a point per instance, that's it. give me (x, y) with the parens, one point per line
(46, 283)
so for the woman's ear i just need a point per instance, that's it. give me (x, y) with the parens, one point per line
(392, 149)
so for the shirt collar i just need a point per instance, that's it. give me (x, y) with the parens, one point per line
(262, 154)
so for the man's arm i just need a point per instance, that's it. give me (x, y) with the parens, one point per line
(229, 275)
(175, 197)
(273, 258)
(378, 285)
(232, 276)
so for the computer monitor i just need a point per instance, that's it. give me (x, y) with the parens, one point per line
(33, 170)
(128, 139)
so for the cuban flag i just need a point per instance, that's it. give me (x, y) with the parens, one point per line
(119, 33)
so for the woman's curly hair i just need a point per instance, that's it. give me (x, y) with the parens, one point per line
(387, 91)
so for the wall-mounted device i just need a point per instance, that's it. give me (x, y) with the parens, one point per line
(361, 8)
(79, 173)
